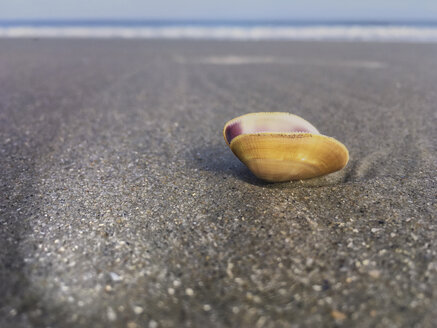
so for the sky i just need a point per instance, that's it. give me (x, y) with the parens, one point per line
(386, 10)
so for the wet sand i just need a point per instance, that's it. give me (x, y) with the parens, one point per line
(122, 206)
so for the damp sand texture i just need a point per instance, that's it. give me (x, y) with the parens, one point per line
(121, 204)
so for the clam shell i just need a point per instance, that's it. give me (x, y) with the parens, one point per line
(279, 147)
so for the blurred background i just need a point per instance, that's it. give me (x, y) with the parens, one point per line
(242, 19)
(386, 10)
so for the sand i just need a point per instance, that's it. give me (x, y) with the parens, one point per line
(122, 206)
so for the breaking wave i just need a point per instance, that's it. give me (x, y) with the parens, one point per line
(334, 33)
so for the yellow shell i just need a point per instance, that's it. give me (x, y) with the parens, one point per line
(279, 147)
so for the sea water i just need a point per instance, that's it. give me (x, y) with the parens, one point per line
(226, 30)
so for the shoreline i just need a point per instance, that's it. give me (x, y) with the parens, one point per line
(361, 33)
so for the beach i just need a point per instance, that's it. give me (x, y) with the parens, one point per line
(122, 206)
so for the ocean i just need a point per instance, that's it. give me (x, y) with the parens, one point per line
(225, 30)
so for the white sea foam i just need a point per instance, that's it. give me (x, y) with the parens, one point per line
(230, 60)
(342, 33)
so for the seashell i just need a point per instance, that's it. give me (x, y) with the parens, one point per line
(280, 147)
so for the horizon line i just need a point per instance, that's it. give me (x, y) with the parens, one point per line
(285, 21)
